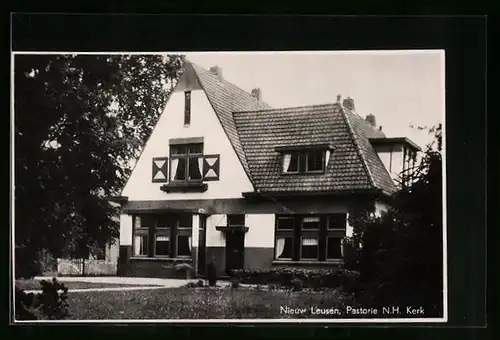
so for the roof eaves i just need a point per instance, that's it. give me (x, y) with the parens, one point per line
(389, 140)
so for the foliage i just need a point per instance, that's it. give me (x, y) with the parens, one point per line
(310, 278)
(36, 285)
(204, 303)
(399, 254)
(50, 304)
(184, 268)
(297, 285)
(27, 262)
(79, 121)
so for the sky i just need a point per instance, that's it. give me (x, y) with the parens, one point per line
(399, 87)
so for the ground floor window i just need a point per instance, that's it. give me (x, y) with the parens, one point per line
(162, 235)
(309, 237)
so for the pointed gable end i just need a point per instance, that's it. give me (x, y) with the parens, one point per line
(200, 108)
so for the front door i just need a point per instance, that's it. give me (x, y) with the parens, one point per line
(235, 250)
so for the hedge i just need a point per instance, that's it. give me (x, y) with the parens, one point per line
(311, 278)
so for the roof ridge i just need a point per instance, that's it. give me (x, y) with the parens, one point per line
(226, 82)
(287, 108)
(200, 73)
(358, 148)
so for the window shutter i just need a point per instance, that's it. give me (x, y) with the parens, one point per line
(211, 167)
(160, 167)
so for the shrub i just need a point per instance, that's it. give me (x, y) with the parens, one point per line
(27, 264)
(211, 274)
(185, 268)
(297, 285)
(50, 304)
(311, 278)
(235, 284)
(200, 283)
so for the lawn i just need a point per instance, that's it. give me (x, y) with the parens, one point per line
(35, 285)
(200, 303)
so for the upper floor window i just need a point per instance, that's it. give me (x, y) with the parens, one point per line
(311, 161)
(187, 107)
(186, 162)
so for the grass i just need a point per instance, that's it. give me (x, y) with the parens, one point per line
(35, 285)
(199, 303)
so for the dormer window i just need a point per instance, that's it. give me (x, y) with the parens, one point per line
(315, 161)
(308, 160)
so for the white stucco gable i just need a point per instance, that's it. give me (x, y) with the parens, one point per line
(204, 125)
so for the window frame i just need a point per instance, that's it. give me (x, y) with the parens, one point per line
(303, 162)
(186, 156)
(140, 231)
(322, 233)
(187, 108)
(323, 160)
(306, 236)
(341, 248)
(183, 231)
(162, 225)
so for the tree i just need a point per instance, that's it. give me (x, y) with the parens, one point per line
(79, 121)
(399, 254)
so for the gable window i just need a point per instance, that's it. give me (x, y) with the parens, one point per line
(186, 162)
(187, 107)
(309, 237)
(162, 235)
(311, 161)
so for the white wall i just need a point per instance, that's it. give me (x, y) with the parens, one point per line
(392, 158)
(215, 238)
(380, 207)
(113, 251)
(348, 229)
(261, 230)
(195, 234)
(125, 230)
(204, 123)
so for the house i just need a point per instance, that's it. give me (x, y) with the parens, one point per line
(226, 178)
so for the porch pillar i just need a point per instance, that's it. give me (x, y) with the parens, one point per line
(125, 244)
(195, 235)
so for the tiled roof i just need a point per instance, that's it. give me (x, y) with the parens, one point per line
(254, 130)
(353, 164)
(362, 132)
(226, 98)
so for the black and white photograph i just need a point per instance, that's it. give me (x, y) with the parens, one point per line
(291, 186)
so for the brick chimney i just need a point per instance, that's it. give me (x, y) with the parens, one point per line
(217, 71)
(370, 119)
(257, 94)
(348, 103)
